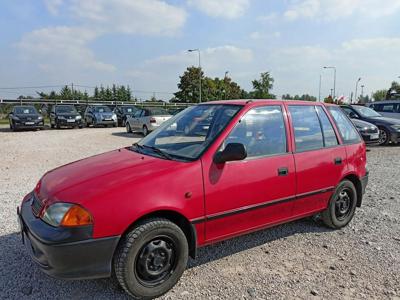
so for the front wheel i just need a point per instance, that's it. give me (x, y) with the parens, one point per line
(151, 258)
(128, 127)
(384, 136)
(342, 206)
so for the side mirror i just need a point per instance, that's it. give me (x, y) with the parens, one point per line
(232, 151)
(353, 115)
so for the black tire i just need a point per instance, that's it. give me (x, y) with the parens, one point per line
(58, 126)
(145, 130)
(128, 127)
(52, 126)
(384, 136)
(342, 206)
(151, 258)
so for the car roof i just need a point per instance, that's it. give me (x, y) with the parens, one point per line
(259, 102)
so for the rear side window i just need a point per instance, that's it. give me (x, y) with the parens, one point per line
(346, 128)
(262, 131)
(330, 139)
(307, 128)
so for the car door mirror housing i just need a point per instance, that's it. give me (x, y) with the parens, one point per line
(232, 152)
(353, 115)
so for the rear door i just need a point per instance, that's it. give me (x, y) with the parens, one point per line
(319, 158)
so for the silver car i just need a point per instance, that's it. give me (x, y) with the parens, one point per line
(100, 115)
(387, 108)
(146, 120)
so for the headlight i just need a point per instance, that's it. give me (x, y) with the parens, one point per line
(66, 214)
(396, 127)
(78, 117)
(40, 118)
(15, 118)
(114, 116)
(61, 118)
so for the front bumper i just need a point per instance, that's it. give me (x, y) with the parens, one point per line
(67, 253)
(67, 123)
(395, 137)
(370, 139)
(29, 124)
(106, 122)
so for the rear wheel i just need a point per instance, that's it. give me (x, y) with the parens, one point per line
(384, 136)
(342, 206)
(145, 130)
(151, 258)
(128, 127)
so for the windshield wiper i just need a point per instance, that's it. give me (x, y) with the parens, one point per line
(155, 149)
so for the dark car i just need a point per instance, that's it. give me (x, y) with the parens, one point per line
(63, 115)
(389, 128)
(123, 112)
(25, 117)
(368, 131)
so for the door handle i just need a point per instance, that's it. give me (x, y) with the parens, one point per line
(283, 171)
(338, 161)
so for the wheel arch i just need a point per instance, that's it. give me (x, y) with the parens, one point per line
(177, 218)
(357, 184)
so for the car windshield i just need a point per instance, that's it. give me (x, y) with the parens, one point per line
(366, 112)
(25, 110)
(101, 109)
(66, 109)
(129, 109)
(188, 134)
(158, 112)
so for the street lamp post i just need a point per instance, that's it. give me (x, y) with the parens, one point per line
(198, 51)
(355, 96)
(334, 80)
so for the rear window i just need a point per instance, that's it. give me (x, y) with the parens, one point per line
(346, 128)
(158, 112)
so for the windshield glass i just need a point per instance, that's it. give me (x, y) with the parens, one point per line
(129, 109)
(158, 112)
(66, 109)
(366, 111)
(101, 109)
(189, 133)
(25, 110)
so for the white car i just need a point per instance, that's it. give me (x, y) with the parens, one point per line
(146, 120)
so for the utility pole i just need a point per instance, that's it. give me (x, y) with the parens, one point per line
(198, 50)
(355, 95)
(72, 91)
(319, 89)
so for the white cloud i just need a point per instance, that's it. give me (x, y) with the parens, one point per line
(56, 48)
(256, 35)
(268, 18)
(141, 17)
(336, 9)
(229, 9)
(53, 6)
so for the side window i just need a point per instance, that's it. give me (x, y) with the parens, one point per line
(388, 108)
(351, 113)
(346, 128)
(330, 139)
(377, 107)
(307, 128)
(138, 113)
(262, 131)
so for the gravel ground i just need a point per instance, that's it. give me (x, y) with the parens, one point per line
(297, 260)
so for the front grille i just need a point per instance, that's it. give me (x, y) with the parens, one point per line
(372, 130)
(37, 205)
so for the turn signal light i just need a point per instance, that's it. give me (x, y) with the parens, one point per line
(77, 216)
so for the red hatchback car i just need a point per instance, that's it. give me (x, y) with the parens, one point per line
(139, 212)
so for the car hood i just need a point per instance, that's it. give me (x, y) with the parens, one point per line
(386, 120)
(27, 116)
(362, 124)
(67, 115)
(87, 178)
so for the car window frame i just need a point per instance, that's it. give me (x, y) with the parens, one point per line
(285, 123)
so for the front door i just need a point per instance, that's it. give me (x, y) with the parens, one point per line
(245, 195)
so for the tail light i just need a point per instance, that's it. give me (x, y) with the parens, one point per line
(153, 120)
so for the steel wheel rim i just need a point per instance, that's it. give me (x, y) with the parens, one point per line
(156, 261)
(382, 136)
(343, 204)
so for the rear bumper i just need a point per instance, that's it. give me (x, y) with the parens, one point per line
(60, 253)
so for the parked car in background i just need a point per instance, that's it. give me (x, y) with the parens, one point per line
(139, 212)
(389, 128)
(123, 111)
(387, 108)
(146, 120)
(96, 115)
(174, 111)
(368, 131)
(25, 117)
(65, 115)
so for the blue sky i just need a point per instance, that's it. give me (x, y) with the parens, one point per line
(143, 43)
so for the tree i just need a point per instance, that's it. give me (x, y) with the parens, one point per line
(262, 87)
(189, 89)
(394, 91)
(379, 95)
